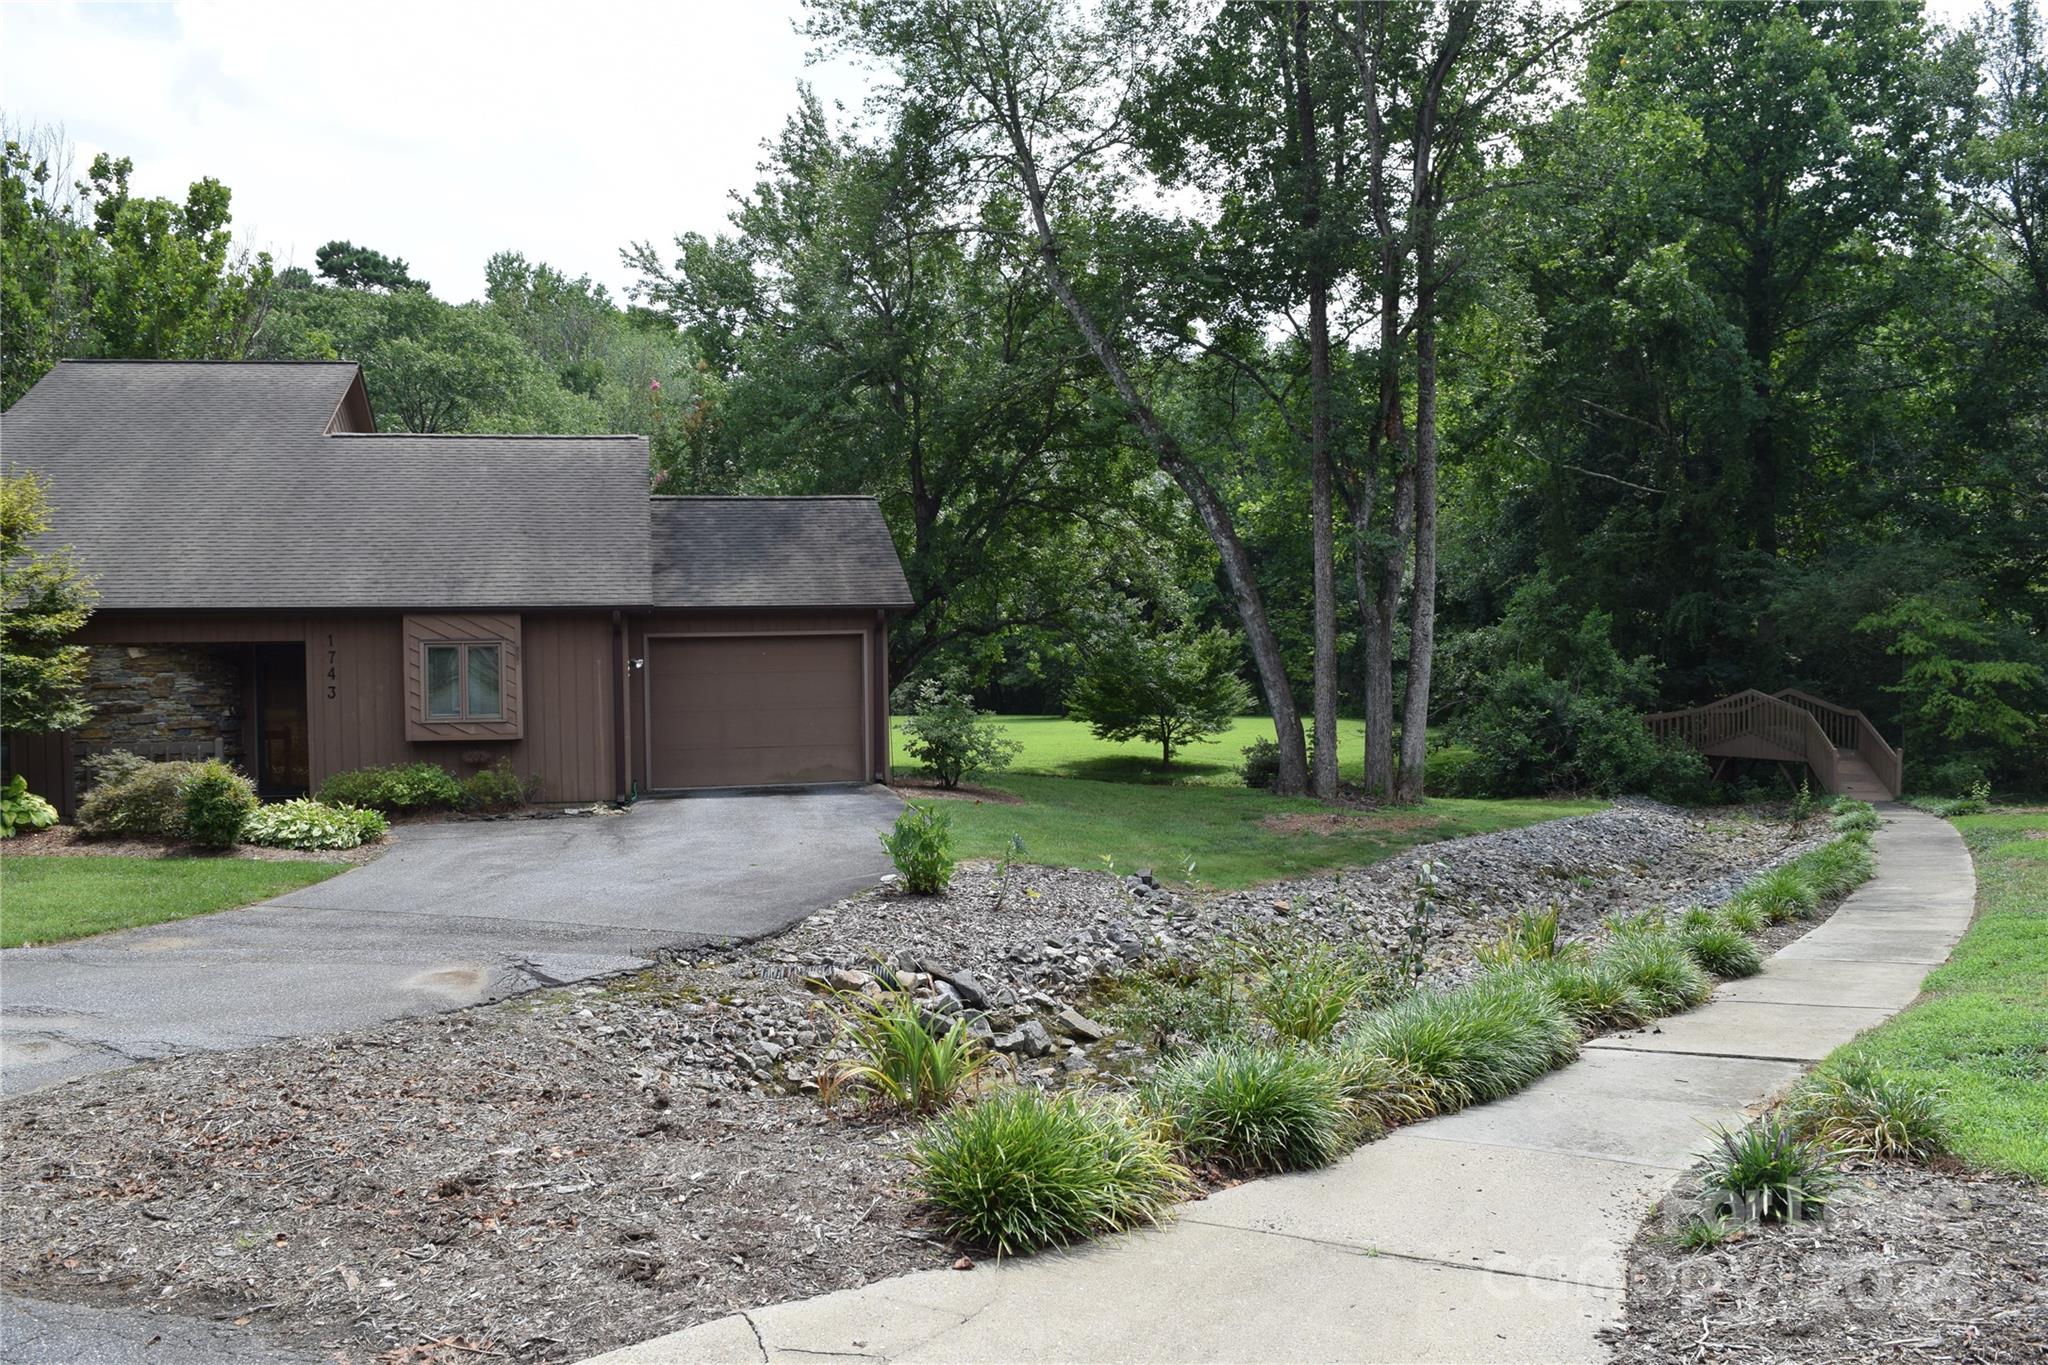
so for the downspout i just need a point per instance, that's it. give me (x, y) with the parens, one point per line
(621, 782)
(885, 740)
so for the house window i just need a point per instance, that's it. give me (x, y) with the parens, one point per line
(464, 682)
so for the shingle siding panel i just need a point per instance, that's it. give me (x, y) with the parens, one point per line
(774, 552)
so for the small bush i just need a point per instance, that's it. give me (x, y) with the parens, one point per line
(1254, 1108)
(147, 803)
(308, 824)
(1860, 1106)
(1660, 968)
(1175, 1005)
(1595, 993)
(948, 737)
(1527, 938)
(217, 800)
(1767, 1173)
(1784, 893)
(922, 848)
(1301, 989)
(1851, 816)
(912, 1061)
(1022, 1170)
(1721, 949)
(22, 809)
(1473, 1044)
(1802, 803)
(395, 789)
(1261, 767)
(496, 788)
(110, 769)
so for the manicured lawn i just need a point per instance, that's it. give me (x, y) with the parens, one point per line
(1080, 800)
(1981, 1035)
(47, 899)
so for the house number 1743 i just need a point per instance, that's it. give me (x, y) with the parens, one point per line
(333, 678)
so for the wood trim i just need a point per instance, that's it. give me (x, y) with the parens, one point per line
(867, 720)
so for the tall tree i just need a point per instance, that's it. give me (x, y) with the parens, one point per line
(348, 266)
(44, 600)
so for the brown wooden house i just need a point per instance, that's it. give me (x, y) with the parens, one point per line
(284, 586)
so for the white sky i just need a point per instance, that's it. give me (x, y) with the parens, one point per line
(436, 131)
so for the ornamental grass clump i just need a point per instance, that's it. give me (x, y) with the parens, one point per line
(1023, 1170)
(1721, 949)
(1254, 1108)
(1784, 893)
(1742, 917)
(1767, 1173)
(1473, 1044)
(905, 1057)
(1302, 989)
(1839, 867)
(1659, 967)
(1852, 816)
(1860, 1106)
(1529, 937)
(1597, 993)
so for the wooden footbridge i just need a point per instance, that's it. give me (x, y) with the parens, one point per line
(1847, 755)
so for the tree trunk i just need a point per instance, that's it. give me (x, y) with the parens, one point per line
(1292, 776)
(1322, 533)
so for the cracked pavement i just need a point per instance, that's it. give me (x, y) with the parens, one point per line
(456, 914)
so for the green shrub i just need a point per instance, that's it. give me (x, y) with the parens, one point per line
(1851, 816)
(1261, 767)
(395, 789)
(1767, 1173)
(308, 824)
(949, 738)
(148, 802)
(21, 808)
(496, 788)
(1450, 770)
(1022, 1170)
(1860, 1106)
(1660, 968)
(1473, 1044)
(110, 769)
(909, 1060)
(1595, 993)
(1781, 894)
(1301, 989)
(1721, 949)
(1530, 937)
(922, 848)
(1175, 1005)
(1254, 1108)
(1802, 803)
(217, 800)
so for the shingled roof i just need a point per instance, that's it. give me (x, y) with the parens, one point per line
(236, 485)
(775, 552)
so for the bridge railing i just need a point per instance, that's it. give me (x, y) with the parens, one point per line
(1795, 732)
(1851, 729)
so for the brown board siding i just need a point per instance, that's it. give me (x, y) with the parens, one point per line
(356, 696)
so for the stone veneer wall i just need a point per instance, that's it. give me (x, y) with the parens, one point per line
(148, 695)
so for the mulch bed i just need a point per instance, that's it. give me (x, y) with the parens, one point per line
(490, 1177)
(66, 841)
(924, 789)
(1908, 1263)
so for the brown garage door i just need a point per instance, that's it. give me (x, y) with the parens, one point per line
(755, 711)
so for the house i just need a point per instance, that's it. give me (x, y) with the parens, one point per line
(284, 586)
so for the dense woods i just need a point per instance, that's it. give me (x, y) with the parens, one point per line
(1467, 360)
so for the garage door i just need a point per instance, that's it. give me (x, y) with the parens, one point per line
(755, 711)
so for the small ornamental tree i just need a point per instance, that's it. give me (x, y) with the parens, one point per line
(1169, 687)
(948, 737)
(44, 600)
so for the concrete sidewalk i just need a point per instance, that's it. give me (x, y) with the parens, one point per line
(1497, 1234)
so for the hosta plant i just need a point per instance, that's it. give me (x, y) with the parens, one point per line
(308, 824)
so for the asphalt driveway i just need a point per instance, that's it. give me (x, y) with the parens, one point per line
(456, 914)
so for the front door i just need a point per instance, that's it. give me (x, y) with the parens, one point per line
(281, 752)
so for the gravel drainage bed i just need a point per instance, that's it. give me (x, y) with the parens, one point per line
(1909, 1263)
(549, 1177)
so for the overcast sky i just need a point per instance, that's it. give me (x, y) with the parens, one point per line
(436, 131)
(433, 130)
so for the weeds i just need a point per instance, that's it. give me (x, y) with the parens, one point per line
(1302, 989)
(1530, 937)
(1175, 1005)
(1862, 1107)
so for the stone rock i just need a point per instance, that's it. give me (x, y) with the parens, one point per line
(965, 984)
(1075, 1024)
(1037, 1042)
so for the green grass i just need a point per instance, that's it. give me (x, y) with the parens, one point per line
(1979, 1036)
(49, 899)
(1080, 799)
